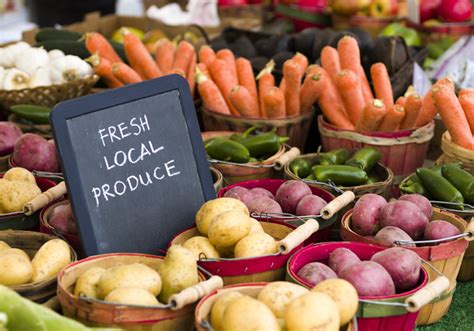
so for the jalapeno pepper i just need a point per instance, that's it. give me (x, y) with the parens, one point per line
(461, 179)
(439, 187)
(241, 136)
(413, 185)
(301, 167)
(365, 158)
(263, 144)
(340, 174)
(337, 156)
(311, 177)
(227, 150)
(252, 159)
(32, 113)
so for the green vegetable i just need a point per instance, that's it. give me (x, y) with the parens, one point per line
(241, 136)
(78, 48)
(263, 144)
(311, 177)
(437, 169)
(440, 188)
(224, 149)
(461, 179)
(337, 156)
(35, 114)
(365, 158)
(413, 185)
(252, 159)
(56, 34)
(340, 174)
(301, 167)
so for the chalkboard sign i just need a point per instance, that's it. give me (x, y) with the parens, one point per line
(135, 165)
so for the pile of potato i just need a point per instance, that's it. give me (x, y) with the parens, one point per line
(139, 284)
(17, 187)
(16, 268)
(229, 231)
(287, 306)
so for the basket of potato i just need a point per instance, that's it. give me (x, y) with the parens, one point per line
(30, 262)
(135, 291)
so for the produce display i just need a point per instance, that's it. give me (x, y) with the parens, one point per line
(17, 187)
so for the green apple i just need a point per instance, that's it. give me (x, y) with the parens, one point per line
(391, 30)
(411, 37)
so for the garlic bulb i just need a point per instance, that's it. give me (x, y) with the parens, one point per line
(55, 54)
(68, 68)
(31, 59)
(14, 79)
(9, 54)
(41, 77)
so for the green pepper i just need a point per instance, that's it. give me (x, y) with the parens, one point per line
(224, 149)
(337, 156)
(340, 174)
(252, 160)
(437, 169)
(461, 179)
(365, 158)
(241, 136)
(32, 113)
(440, 188)
(301, 167)
(413, 185)
(263, 144)
(310, 177)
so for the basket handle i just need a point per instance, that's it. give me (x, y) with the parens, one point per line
(196, 292)
(427, 294)
(297, 236)
(337, 204)
(470, 230)
(44, 198)
(286, 157)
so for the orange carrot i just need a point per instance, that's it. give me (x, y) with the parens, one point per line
(382, 84)
(349, 58)
(392, 119)
(309, 93)
(330, 61)
(292, 73)
(302, 62)
(164, 56)
(348, 85)
(246, 77)
(452, 114)
(412, 110)
(125, 74)
(372, 116)
(184, 56)
(103, 68)
(428, 110)
(139, 57)
(222, 76)
(177, 71)
(282, 85)
(466, 98)
(274, 103)
(244, 103)
(401, 101)
(206, 55)
(191, 75)
(204, 69)
(265, 81)
(211, 96)
(227, 55)
(97, 44)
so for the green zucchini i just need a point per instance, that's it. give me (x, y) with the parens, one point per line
(56, 34)
(32, 113)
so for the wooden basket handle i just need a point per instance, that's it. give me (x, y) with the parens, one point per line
(427, 294)
(298, 236)
(337, 204)
(196, 292)
(470, 230)
(287, 157)
(45, 198)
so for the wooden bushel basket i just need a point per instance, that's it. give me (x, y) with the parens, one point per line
(446, 258)
(129, 317)
(455, 153)
(30, 242)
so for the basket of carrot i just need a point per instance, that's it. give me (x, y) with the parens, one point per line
(235, 100)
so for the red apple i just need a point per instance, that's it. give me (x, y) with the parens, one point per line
(454, 10)
(428, 9)
(383, 8)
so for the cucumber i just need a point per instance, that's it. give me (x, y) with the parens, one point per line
(78, 48)
(35, 114)
(56, 34)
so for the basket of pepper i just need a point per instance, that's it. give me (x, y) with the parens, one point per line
(360, 172)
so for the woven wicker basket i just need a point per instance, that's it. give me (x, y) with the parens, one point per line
(455, 153)
(217, 179)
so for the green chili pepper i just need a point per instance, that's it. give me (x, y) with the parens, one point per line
(413, 185)
(365, 158)
(224, 149)
(301, 167)
(337, 156)
(440, 188)
(252, 159)
(461, 179)
(437, 169)
(241, 136)
(32, 113)
(340, 174)
(263, 144)
(311, 177)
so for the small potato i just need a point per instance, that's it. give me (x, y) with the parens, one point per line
(369, 278)
(212, 208)
(310, 205)
(256, 244)
(219, 307)
(290, 193)
(20, 174)
(404, 215)
(341, 258)
(422, 202)
(201, 247)
(390, 234)
(240, 193)
(15, 268)
(132, 296)
(277, 296)
(15, 194)
(227, 228)
(50, 259)
(315, 272)
(255, 226)
(263, 204)
(86, 284)
(259, 191)
(19, 251)
(366, 213)
(439, 230)
(4, 246)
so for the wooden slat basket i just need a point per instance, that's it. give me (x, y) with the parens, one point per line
(455, 153)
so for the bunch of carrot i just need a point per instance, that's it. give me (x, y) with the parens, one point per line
(228, 86)
(169, 58)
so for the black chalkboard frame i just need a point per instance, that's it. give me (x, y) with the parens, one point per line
(100, 101)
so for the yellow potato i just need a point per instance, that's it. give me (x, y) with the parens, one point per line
(219, 307)
(278, 295)
(3, 246)
(212, 208)
(20, 174)
(53, 256)
(132, 296)
(227, 228)
(201, 247)
(18, 251)
(344, 295)
(14, 194)
(130, 275)
(255, 226)
(15, 268)
(86, 284)
(256, 244)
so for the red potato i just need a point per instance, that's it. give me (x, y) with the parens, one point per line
(389, 234)
(406, 216)
(422, 202)
(366, 213)
(33, 152)
(315, 272)
(62, 219)
(341, 258)
(259, 191)
(9, 135)
(240, 193)
(403, 266)
(310, 205)
(439, 230)
(264, 204)
(369, 278)
(290, 193)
